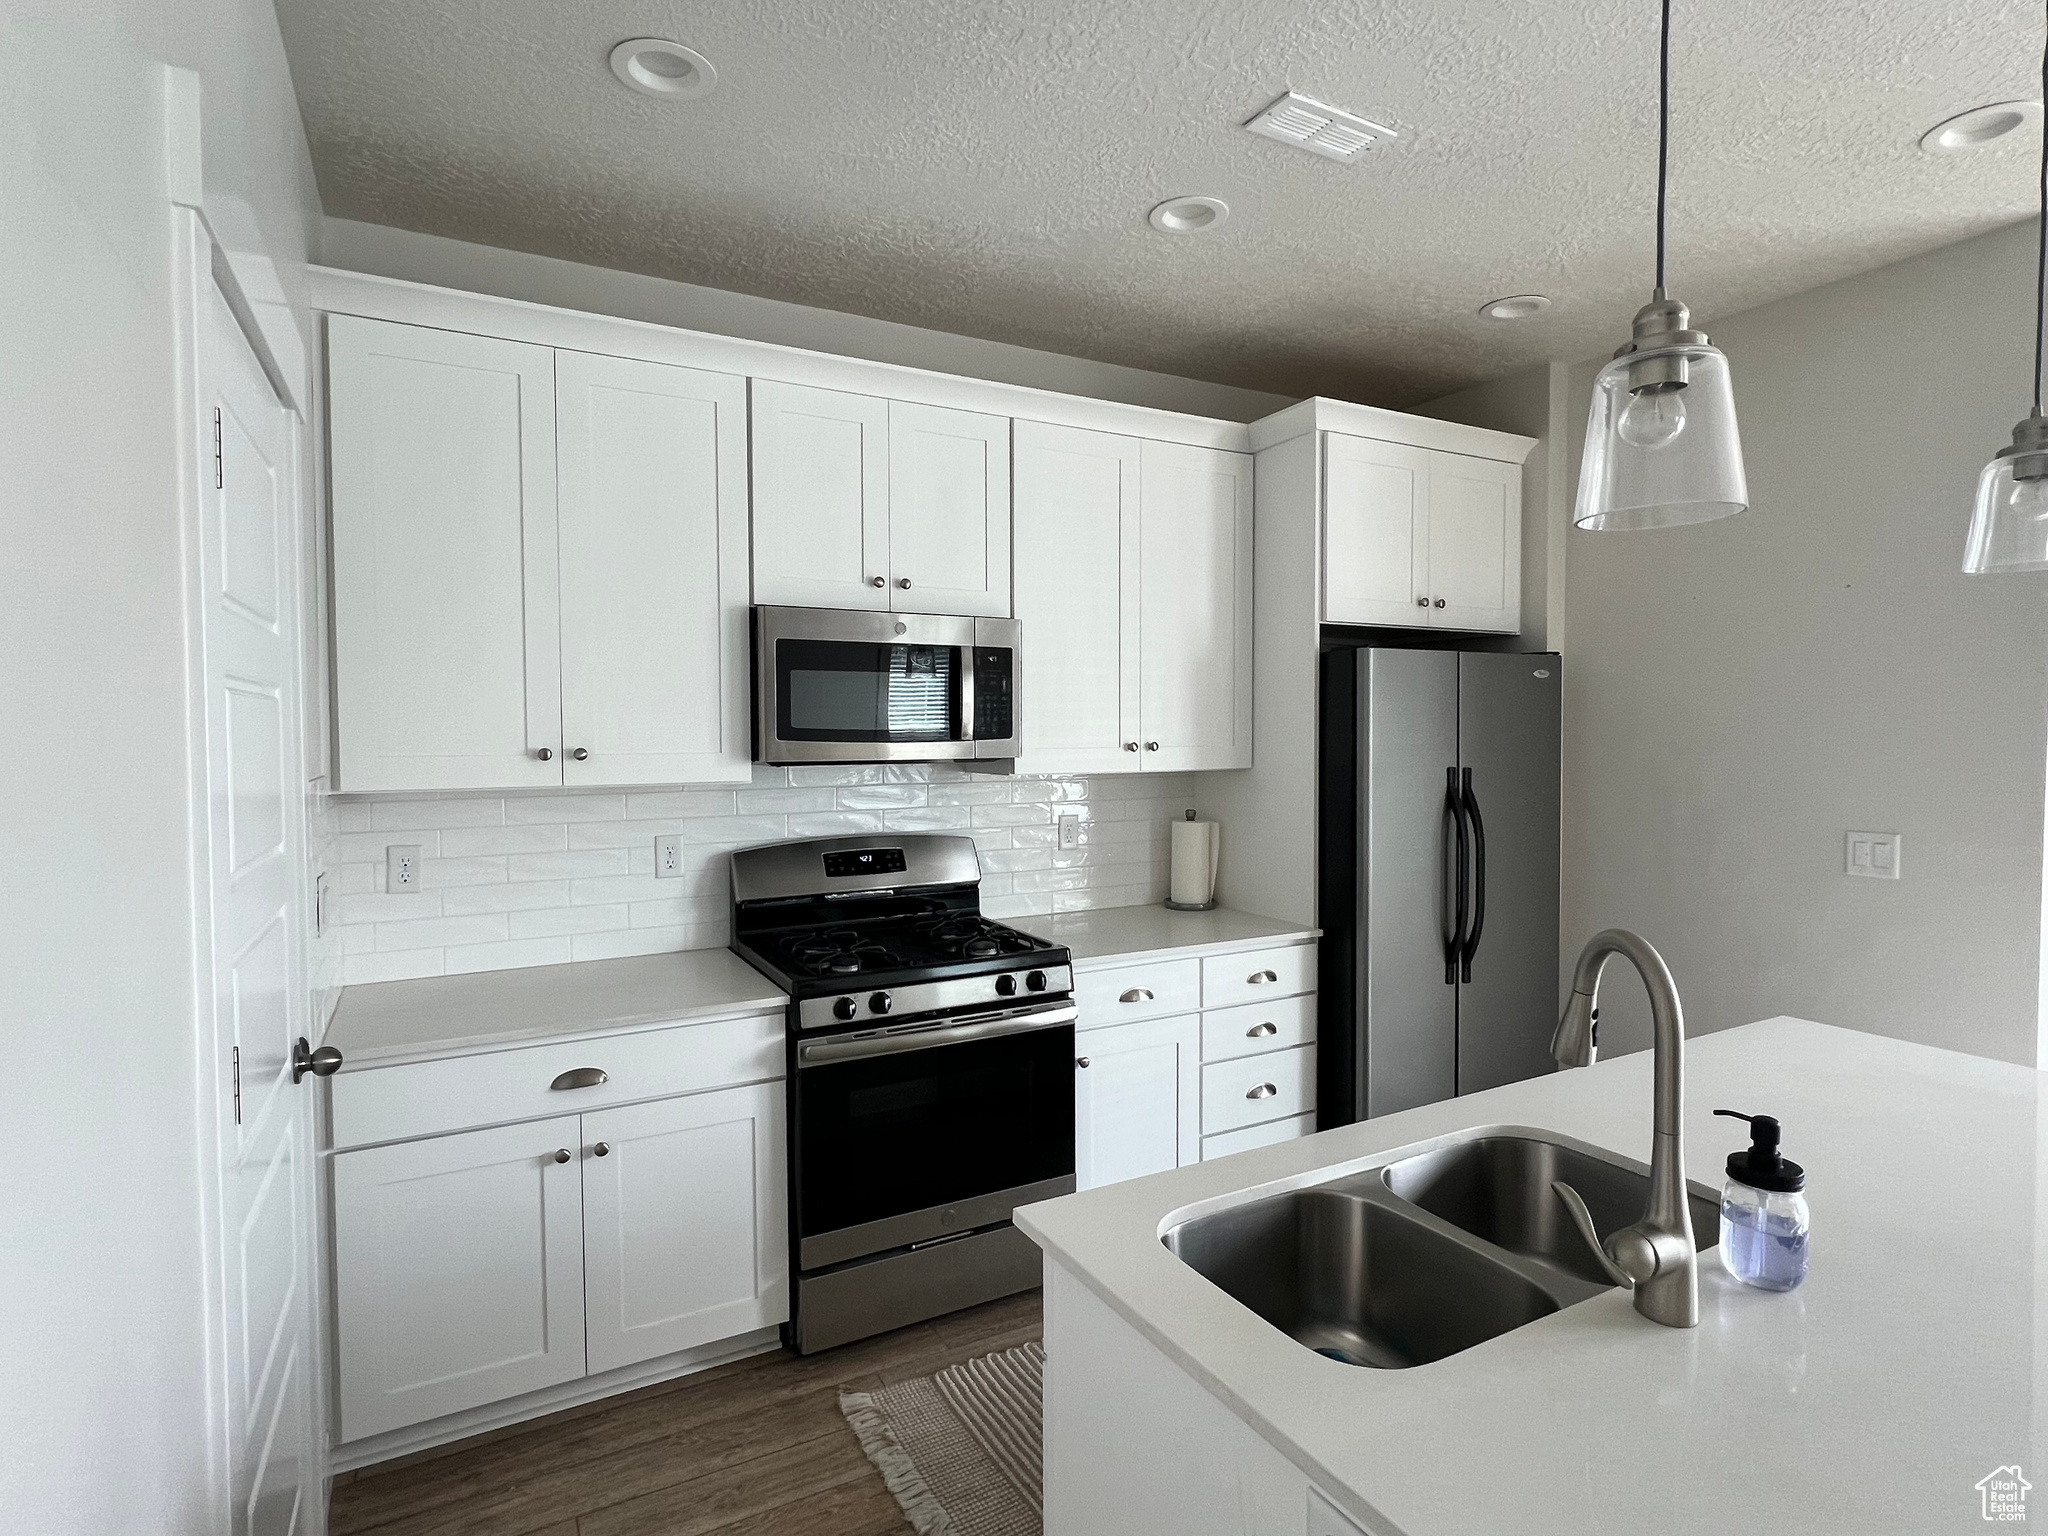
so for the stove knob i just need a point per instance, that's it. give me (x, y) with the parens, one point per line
(1006, 984)
(1035, 981)
(880, 1003)
(845, 1008)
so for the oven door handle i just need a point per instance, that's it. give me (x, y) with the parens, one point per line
(816, 1053)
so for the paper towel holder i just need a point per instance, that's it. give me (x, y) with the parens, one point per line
(1192, 906)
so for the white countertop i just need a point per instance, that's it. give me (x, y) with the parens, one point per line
(1912, 1362)
(1154, 932)
(387, 1022)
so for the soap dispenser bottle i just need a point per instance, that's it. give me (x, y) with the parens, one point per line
(1763, 1212)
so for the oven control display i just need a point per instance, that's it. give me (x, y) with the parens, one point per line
(864, 861)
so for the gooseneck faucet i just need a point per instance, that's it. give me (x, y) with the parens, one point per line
(1656, 1256)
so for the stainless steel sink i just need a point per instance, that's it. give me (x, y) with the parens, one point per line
(1422, 1254)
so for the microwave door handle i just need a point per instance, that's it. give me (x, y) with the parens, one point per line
(815, 1053)
(966, 665)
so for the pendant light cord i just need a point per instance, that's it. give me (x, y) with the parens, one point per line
(2040, 244)
(1664, 149)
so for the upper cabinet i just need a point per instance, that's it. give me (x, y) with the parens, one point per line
(1420, 538)
(1133, 580)
(867, 503)
(540, 565)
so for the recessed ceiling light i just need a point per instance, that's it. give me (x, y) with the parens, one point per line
(1188, 215)
(654, 66)
(1979, 125)
(1518, 306)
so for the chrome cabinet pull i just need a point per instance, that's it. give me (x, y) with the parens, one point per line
(878, 581)
(581, 754)
(1151, 746)
(561, 1154)
(324, 1062)
(1130, 746)
(1257, 1030)
(1260, 978)
(602, 1149)
(903, 582)
(1439, 602)
(545, 754)
(1263, 1091)
(581, 1077)
(1137, 995)
(1422, 602)
(1080, 1061)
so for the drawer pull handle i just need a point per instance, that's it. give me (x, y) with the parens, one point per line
(1137, 995)
(561, 1154)
(1080, 1061)
(1268, 1028)
(1260, 978)
(1263, 1091)
(582, 1077)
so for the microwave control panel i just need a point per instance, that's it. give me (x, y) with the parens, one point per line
(992, 709)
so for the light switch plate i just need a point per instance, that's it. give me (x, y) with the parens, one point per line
(402, 867)
(1070, 831)
(668, 857)
(1873, 855)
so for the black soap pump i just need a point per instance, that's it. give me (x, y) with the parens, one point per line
(1764, 1219)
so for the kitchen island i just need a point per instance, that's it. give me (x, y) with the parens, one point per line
(1911, 1365)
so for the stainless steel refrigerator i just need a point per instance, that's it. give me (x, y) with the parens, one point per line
(1438, 876)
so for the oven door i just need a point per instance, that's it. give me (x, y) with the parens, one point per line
(927, 1131)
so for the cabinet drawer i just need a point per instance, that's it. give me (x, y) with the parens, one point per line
(1276, 1086)
(1251, 1136)
(1250, 1028)
(1126, 992)
(426, 1098)
(1256, 974)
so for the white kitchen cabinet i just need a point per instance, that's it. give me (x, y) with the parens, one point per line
(868, 503)
(460, 1273)
(683, 1229)
(1420, 538)
(442, 465)
(1195, 607)
(1137, 1099)
(653, 514)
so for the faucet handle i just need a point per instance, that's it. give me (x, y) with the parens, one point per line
(1636, 1252)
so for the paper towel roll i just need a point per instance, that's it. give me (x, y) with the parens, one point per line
(1195, 847)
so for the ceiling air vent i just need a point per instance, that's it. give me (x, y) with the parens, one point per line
(1319, 128)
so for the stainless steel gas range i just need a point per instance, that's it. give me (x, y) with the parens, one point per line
(931, 1076)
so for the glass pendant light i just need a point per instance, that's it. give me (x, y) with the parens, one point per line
(1661, 443)
(2009, 530)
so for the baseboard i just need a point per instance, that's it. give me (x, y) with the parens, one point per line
(394, 1443)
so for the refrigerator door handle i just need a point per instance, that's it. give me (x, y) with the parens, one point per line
(1478, 825)
(1457, 894)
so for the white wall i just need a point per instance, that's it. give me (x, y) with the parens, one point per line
(387, 252)
(1740, 694)
(101, 1346)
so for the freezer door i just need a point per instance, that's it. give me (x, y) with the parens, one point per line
(1508, 724)
(1408, 740)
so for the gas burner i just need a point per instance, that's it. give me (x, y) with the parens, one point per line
(975, 938)
(836, 952)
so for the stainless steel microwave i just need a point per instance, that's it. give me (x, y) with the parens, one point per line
(834, 685)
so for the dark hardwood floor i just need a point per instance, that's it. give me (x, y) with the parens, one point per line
(755, 1448)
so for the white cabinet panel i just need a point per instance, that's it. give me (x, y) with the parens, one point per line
(1375, 510)
(443, 501)
(1076, 516)
(821, 497)
(1475, 543)
(1254, 1089)
(654, 579)
(1120, 993)
(1257, 975)
(459, 1272)
(1195, 570)
(949, 511)
(1137, 1099)
(1229, 1143)
(684, 1235)
(1257, 1027)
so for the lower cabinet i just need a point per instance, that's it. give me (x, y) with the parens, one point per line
(1137, 1099)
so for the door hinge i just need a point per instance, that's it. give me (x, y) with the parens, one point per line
(216, 459)
(235, 1054)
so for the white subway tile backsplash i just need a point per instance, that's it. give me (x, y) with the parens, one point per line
(563, 921)
(525, 896)
(565, 807)
(506, 955)
(474, 842)
(438, 932)
(431, 815)
(579, 864)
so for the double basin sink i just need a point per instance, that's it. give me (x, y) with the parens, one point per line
(1426, 1253)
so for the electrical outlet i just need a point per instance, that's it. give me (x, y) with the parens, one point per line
(668, 857)
(1873, 855)
(402, 867)
(1070, 831)
(320, 905)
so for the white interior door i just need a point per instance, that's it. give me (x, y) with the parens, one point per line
(442, 462)
(949, 511)
(1076, 516)
(248, 618)
(1475, 543)
(1375, 532)
(653, 509)
(684, 1235)
(1137, 1099)
(821, 497)
(458, 1272)
(1195, 607)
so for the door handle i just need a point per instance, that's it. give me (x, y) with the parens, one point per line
(1478, 824)
(1137, 995)
(561, 1154)
(1080, 1061)
(1263, 1091)
(1457, 893)
(602, 1149)
(324, 1062)
(1257, 1030)
(582, 1077)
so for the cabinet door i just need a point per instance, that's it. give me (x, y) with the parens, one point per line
(442, 463)
(821, 497)
(653, 572)
(1137, 1099)
(458, 1272)
(1195, 608)
(1475, 543)
(1375, 525)
(1077, 598)
(685, 1239)
(949, 511)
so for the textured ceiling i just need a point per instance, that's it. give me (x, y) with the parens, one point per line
(985, 168)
